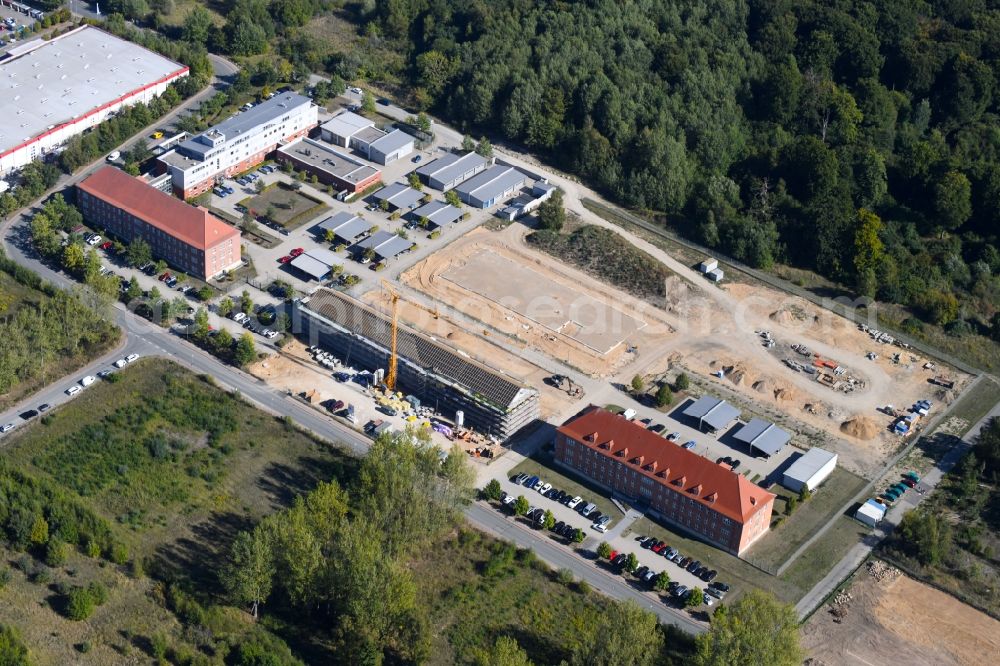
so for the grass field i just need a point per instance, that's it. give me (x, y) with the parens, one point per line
(284, 206)
(814, 563)
(179, 466)
(808, 518)
(39, 345)
(974, 404)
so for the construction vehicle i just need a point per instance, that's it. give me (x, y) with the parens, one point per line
(390, 376)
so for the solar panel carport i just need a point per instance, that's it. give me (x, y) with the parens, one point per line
(346, 226)
(384, 244)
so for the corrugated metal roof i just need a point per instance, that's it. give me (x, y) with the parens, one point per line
(491, 183)
(763, 436)
(449, 167)
(713, 411)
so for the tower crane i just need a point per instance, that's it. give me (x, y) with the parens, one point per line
(390, 375)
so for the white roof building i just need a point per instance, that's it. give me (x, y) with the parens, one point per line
(810, 470)
(870, 513)
(339, 129)
(53, 90)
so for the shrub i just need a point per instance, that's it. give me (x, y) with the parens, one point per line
(5, 576)
(79, 604)
(56, 553)
(682, 383)
(564, 576)
(118, 553)
(492, 490)
(604, 550)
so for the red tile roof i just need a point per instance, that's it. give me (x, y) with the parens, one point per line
(681, 470)
(190, 224)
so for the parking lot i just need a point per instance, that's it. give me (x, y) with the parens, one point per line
(14, 32)
(627, 543)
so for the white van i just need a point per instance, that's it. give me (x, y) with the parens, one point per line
(629, 413)
(115, 155)
(88, 380)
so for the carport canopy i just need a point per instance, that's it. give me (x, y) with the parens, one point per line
(764, 436)
(713, 412)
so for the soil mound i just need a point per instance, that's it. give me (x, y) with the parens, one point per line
(782, 316)
(784, 393)
(860, 427)
(761, 386)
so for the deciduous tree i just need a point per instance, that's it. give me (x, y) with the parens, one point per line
(757, 629)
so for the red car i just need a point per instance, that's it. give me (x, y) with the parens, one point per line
(658, 547)
(285, 259)
(296, 252)
(165, 277)
(612, 555)
(910, 482)
(106, 245)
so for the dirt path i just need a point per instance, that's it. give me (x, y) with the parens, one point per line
(901, 621)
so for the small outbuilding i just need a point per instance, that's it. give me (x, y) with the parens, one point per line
(810, 470)
(708, 265)
(870, 513)
(715, 275)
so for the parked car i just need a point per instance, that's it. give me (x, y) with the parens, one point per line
(544, 488)
(690, 445)
(417, 159)
(7, 428)
(641, 571)
(588, 509)
(710, 575)
(530, 481)
(28, 415)
(557, 528)
(680, 591)
(73, 390)
(736, 465)
(44, 407)
(131, 358)
(574, 502)
(673, 437)
(723, 587)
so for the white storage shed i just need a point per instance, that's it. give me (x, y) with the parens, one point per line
(870, 513)
(810, 470)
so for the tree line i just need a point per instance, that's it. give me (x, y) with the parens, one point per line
(853, 139)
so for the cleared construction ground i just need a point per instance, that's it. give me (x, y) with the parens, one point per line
(496, 288)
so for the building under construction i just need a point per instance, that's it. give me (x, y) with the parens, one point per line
(441, 377)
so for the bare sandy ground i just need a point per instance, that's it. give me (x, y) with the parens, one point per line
(901, 621)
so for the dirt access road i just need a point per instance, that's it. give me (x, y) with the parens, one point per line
(900, 621)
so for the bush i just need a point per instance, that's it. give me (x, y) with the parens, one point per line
(118, 553)
(682, 383)
(604, 550)
(637, 383)
(79, 604)
(564, 576)
(492, 490)
(5, 576)
(56, 553)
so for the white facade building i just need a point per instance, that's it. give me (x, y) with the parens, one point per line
(239, 143)
(50, 91)
(810, 470)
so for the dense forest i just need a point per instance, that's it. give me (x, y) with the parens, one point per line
(854, 138)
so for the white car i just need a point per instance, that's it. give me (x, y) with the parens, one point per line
(7, 428)
(573, 502)
(121, 363)
(356, 91)
(88, 380)
(599, 527)
(73, 390)
(545, 488)
(94, 240)
(131, 357)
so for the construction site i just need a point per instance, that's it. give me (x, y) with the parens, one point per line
(886, 617)
(443, 379)
(781, 355)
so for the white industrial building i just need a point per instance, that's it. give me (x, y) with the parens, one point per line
(451, 169)
(53, 90)
(239, 143)
(810, 470)
(342, 127)
(870, 513)
(349, 130)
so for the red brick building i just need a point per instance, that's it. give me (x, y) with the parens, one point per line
(187, 237)
(708, 500)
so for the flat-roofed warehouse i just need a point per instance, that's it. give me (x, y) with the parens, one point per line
(329, 166)
(449, 170)
(64, 86)
(492, 185)
(811, 469)
(438, 375)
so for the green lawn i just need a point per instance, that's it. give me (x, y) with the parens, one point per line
(541, 465)
(772, 550)
(817, 560)
(974, 404)
(285, 206)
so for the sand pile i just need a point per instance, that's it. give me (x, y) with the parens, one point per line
(783, 316)
(860, 427)
(783, 393)
(761, 386)
(737, 374)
